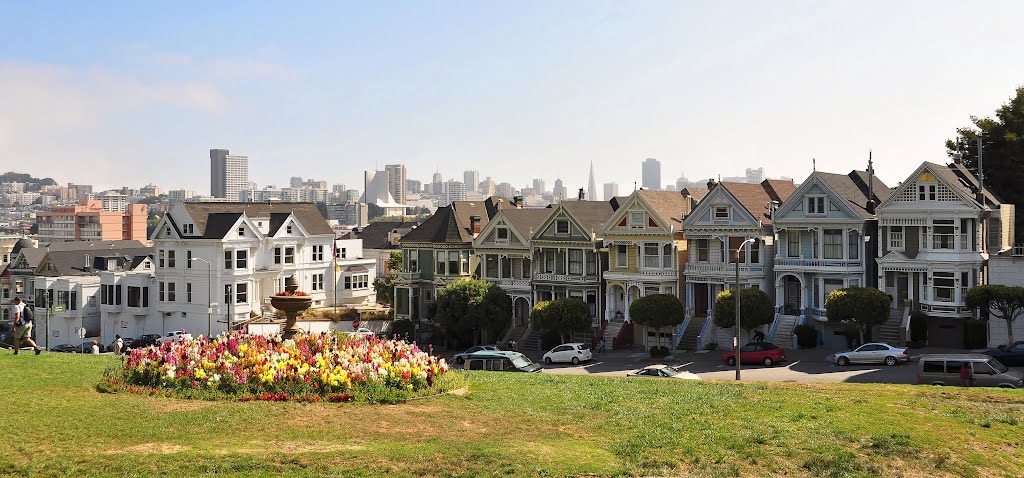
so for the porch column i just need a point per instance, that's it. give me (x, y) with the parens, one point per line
(628, 300)
(846, 245)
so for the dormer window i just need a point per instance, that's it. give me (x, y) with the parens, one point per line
(721, 213)
(562, 227)
(636, 219)
(816, 205)
(189, 228)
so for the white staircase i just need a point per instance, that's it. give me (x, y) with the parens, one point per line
(889, 332)
(783, 334)
(611, 331)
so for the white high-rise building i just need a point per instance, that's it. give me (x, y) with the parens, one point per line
(453, 191)
(610, 190)
(539, 187)
(472, 180)
(560, 192)
(229, 174)
(505, 189)
(651, 174)
(396, 182)
(755, 176)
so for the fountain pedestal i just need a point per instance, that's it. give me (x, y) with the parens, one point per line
(292, 305)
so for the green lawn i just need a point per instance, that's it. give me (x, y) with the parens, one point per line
(56, 424)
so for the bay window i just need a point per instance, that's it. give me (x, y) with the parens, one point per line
(792, 243)
(943, 284)
(666, 256)
(650, 255)
(833, 246)
(506, 268)
(943, 234)
(576, 261)
(621, 257)
(702, 250)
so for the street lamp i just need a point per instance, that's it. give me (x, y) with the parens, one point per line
(209, 308)
(737, 339)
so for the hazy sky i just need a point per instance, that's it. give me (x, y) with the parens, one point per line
(125, 93)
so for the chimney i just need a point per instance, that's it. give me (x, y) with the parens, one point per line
(517, 201)
(871, 185)
(711, 184)
(474, 225)
(581, 195)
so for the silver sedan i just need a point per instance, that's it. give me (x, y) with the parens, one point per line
(873, 353)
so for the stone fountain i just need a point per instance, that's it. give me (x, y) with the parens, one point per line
(291, 304)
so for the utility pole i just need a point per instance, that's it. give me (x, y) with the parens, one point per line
(981, 169)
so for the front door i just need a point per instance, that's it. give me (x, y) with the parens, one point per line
(792, 296)
(700, 300)
(902, 289)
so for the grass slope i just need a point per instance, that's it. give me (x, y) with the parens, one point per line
(56, 424)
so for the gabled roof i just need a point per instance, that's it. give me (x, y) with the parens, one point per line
(956, 177)
(69, 258)
(214, 219)
(671, 206)
(526, 220)
(375, 235)
(451, 224)
(754, 197)
(958, 174)
(590, 215)
(853, 187)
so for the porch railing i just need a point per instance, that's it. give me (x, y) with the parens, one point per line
(708, 323)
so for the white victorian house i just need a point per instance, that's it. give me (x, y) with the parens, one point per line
(825, 236)
(938, 229)
(721, 223)
(220, 262)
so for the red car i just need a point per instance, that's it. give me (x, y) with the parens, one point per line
(756, 352)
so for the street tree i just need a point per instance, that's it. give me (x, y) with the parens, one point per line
(1001, 301)
(863, 307)
(473, 310)
(657, 311)
(755, 309)
(562, 316)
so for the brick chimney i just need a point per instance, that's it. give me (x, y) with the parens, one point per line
(517, 201)
(474, 225)
(581, 195)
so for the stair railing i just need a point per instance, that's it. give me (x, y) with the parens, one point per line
(679, 332)
(703, 332)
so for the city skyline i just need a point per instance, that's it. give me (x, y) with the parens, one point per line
(543, 87)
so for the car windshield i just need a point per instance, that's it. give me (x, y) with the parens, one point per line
(997, 365)
(521, 362)
(670, 371)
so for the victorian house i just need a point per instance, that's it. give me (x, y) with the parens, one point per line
(937, 230)
(568, 253)
(731, 217)
(505, 255)
(826, 235)
(646, 251)
(439, 252)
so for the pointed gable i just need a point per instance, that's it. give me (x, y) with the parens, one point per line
(931, 183)
(574, 221)
(842, 196)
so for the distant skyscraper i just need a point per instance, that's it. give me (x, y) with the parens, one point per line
(505, 189)
(487, 187)
(560, 192)
(229, 174)
(592, 185)
(651, 174)
(295, 182)
(338, 188)
(755, 176)
(453, 191)
(396, 182)
(472, 180)
(539, 187)
(610, 190)
(437, 184)
(413, 186)
(682, 182)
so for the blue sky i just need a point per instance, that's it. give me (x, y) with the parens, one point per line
(125, 93)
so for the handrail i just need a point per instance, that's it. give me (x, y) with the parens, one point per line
(906, 320)
(773, 328)
(703, 332)
(680, 331)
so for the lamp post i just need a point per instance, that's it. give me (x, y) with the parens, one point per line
(209, 307)
(738, 249)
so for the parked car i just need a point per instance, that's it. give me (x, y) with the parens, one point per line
(65, 348)
(663, 371)
(1012, 355)
(142, 341)
(126, 343)
(574, 352)
(176, 335)
(501, 361)
(86, 348)
(362, 332)
(756, 352)
(944, 369)
(461, 357)
(875, 352)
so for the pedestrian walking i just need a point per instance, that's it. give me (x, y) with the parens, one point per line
(117, 345)
(95, 347)
(600, 346)
(966, 375)
(22, 325)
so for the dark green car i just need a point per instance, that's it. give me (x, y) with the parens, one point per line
(501, 361)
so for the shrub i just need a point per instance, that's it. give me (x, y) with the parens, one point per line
(975, 334)
(659, 351)
(403, 330)
(806, 336)
(918, 326)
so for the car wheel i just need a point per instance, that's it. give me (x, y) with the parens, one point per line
(575, 360)
(731, 361)
(460, 360)
(768, 362)
(890, 361)
(843, 361)
(547, 360)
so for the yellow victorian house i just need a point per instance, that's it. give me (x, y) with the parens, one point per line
(646, 255)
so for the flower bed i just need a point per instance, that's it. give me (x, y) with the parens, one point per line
(311, 368)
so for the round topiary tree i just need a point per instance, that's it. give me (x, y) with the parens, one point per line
(756, 309)
(657, 311)
(562, 316)
(473, 310)
(861, 306)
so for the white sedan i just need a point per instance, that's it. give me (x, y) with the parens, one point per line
(873, 353)
(575, 353)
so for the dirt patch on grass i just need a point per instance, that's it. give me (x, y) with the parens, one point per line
(150, 448)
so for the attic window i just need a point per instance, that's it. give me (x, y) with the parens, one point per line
(562, 228)
(636, 220)
(926, 191)
(502, 235)
(167, 231)
(189, 228)
(816, 205)
(241, 232)
(288, 229)
(722, 212)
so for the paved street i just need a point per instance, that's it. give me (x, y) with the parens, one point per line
(800, 366)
